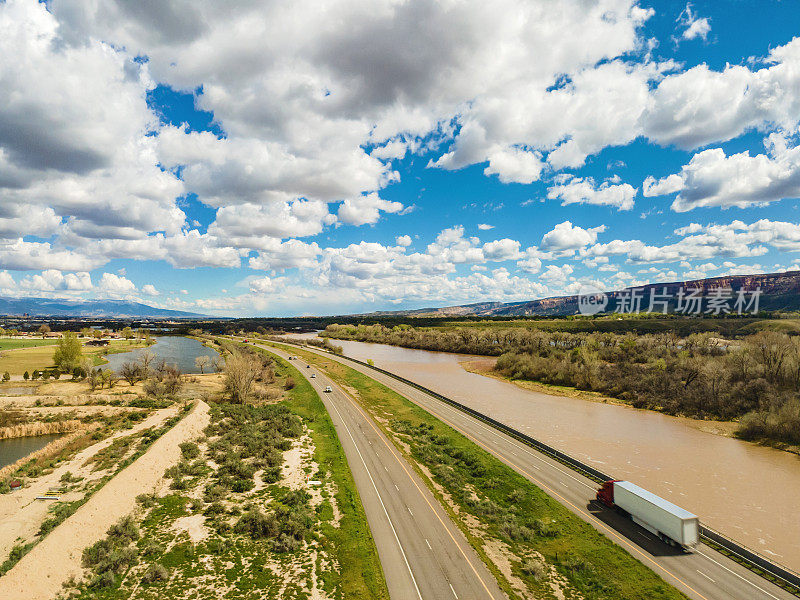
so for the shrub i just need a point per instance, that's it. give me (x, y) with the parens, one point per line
(124, 531)
(151, 548)
(189, 450)
(6, 376)
(146, 500)
(534, 568)
(271, 475)
(26, 376)
(155, 572)
(257, 525)
(242, 485)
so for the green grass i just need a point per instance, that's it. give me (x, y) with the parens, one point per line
(510, 506)
(14, 343)
(360, 572)
(40, 356)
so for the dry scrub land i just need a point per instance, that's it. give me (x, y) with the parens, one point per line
(104, 431)
(261, 505)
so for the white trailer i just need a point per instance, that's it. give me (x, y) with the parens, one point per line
(658, 516)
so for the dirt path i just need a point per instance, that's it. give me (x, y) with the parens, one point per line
(41, 573)
(21, 514)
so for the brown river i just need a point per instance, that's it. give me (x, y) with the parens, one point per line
(746, 491)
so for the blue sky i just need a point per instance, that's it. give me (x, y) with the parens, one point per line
(257, 161)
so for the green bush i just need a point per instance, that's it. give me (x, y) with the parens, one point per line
(189, 450)
(154, 573)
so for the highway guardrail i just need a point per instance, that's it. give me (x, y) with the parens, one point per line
(770, 570)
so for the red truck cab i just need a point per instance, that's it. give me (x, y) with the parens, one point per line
(606, 493)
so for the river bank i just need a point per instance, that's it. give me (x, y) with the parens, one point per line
(485, 367)
(743, 489)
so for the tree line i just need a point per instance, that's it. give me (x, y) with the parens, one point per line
(755, 380)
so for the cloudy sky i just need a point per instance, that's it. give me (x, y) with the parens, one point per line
(345, 156)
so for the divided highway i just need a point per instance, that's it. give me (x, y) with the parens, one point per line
(423, 554)
(703, 574)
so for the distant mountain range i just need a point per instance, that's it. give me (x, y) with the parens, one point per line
(779, 291)
(48, 307)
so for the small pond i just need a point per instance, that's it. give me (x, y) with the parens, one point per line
(175, 350)
(12, 449)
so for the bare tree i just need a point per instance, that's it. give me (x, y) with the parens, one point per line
(202, 362)
(240, 374)
(146, 359)
(131, 372)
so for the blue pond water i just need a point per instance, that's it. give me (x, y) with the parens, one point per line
(180, 351)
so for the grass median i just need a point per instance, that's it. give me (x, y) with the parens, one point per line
(361, 573)
(521, 532)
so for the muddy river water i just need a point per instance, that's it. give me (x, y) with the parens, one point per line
(746, 491)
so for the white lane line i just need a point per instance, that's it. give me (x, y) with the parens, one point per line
(429, 544)
(454, 592)
(706, 576)
(447, 408)
(397, 488)
(409, 511)
(760, 589)
(385, 512)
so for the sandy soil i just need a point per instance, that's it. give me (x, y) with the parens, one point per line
(21, 514)
(42, 572)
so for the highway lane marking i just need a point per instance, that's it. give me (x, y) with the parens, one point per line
(706, 576)
(505, 439)
(590, 517)
(385, 512)
(429, 544)
(599, 524)
(760, 589)
(403, 466)
(452, 590)
(397, 488)
(409, 511)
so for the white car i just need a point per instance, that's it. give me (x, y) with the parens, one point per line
(328, 388)
(313, 375)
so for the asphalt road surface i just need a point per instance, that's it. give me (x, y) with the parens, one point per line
(423, 554)
(703, 574)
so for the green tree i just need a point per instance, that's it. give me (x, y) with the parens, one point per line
(26, 376)
(128, 333)
(69, 352)
(6, 376)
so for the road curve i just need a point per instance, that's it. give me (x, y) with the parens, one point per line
(423, 554)
(703, 574)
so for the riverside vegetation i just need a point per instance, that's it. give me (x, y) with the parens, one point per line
(754, 379)
(534, 545)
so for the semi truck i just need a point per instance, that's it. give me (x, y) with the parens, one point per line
(672, 524)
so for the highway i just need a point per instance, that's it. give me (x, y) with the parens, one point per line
(423, 554)
(703, 574)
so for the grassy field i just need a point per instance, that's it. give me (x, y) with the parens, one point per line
(14, 343)
(545, 541)
(17, 361)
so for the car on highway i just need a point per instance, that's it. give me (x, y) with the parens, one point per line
(308, 366)
(313, 375)
(328, 388)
